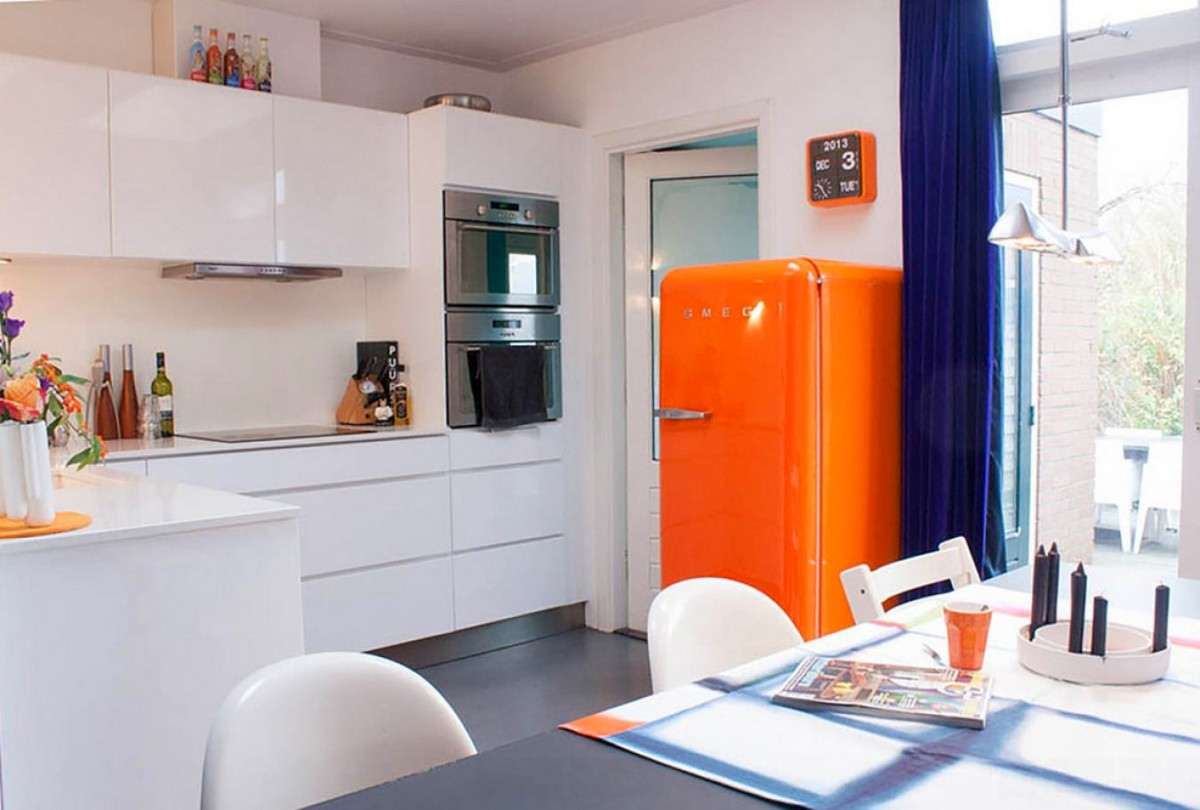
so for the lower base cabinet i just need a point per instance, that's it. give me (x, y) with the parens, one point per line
(506, 581)
(378, 607)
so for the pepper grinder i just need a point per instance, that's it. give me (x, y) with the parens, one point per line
(107, 426)
(128, 411)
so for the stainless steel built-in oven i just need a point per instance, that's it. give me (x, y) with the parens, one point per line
(469, 336)
(501, 250)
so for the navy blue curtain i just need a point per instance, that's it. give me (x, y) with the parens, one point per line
(951, 167)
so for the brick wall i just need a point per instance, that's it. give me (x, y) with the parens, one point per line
(1067, 385)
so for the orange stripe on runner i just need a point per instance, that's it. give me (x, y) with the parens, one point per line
(600, 725)
(1194, 643)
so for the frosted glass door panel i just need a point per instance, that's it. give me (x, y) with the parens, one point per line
(697, 220)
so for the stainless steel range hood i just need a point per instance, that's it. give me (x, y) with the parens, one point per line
(198, 271)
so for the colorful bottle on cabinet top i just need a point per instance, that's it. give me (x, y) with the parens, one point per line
(249, 69)
(216, 70)
(233, 62)
(264, 66)
(198, 70)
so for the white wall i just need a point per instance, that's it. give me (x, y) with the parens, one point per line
(241, 354)
(387, 80)
(108, 33)
(821, 68)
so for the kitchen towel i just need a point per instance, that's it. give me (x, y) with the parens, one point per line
(512, 386)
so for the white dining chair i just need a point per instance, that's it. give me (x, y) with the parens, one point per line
(310, 728)
(1162, 484)
(867, 590)
(1112, 487)
(700, 627)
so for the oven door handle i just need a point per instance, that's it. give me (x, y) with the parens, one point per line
(516, 226)
(681, 414)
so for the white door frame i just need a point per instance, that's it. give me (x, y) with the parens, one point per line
(607, 607)
(642, 478)
(1189, 518)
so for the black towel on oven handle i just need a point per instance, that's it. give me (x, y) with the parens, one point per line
(512, 385)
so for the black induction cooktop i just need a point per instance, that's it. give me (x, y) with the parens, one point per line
(268, 434)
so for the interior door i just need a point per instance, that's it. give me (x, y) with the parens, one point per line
(682, 208)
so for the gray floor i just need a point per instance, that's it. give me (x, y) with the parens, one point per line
(520, 691)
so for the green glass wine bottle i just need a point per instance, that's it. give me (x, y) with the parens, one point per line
(164, 392)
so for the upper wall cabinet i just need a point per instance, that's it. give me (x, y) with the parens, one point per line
(486, 150)
(53, 158)
(341, 185)
(191, 170)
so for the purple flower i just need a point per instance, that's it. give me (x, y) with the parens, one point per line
(45, 385)
(6, 301)
(12, 326)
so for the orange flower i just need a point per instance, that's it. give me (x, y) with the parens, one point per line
(25, 391)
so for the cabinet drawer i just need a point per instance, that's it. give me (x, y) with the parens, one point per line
(483, 448)
(500, 583)
(366, 610)
(370, 524)
(134, 466)
(314, 466)
(506, 504)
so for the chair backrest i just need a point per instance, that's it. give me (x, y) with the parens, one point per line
(1112, 471)
(1162, 477)
(310, 728)
(700, 627)
(867, 590)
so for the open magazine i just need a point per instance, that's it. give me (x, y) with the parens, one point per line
(949, 696)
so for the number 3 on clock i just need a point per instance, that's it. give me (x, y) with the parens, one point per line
(841, 169)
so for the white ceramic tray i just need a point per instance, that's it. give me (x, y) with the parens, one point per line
(1128, 660)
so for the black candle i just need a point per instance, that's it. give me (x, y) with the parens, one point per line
(1037, 609)
(1078, 609)
(1052, 560)
(1162, 599)
(1099, 625)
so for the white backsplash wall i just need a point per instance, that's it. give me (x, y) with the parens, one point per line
(240, 353)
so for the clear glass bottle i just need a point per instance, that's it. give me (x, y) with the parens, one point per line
(216, 69)
(249, 66)
(264, 66)
(233, 62)
(402, 399)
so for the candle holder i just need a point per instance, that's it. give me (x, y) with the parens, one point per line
(1129, 658)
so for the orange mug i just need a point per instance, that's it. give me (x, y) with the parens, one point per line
(967, 626)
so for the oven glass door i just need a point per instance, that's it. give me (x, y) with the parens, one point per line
(501, 265)
(463, 383)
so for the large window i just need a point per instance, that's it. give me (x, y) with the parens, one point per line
(1016, 21)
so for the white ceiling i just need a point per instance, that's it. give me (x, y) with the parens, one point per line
(491, 34)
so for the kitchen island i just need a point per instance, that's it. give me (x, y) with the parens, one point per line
(119, 641)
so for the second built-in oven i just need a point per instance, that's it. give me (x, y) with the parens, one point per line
(500, 250)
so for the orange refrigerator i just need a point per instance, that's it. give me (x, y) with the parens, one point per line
(780, 428)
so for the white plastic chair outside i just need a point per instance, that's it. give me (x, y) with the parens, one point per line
(701, 627)
(1112, 486)
(318, 726)
(1162, 484)
(867, 590)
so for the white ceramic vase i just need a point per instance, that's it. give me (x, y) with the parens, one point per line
(12, 471)
(39, 485)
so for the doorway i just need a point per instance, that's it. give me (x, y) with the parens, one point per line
(683, 206)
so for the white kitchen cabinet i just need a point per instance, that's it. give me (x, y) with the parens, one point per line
(499, 583)
(506, 504)
(341, 185)
(486, 150)
(53, 158)
(378, 607)
(492, 448)
(192, 171)
(348, 527)
(259, 471)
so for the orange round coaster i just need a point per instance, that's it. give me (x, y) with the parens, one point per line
(63, 522)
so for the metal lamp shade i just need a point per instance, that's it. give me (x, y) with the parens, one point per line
(1022, 229)
(1095, 249)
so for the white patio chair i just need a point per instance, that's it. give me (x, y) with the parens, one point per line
(310, 728)
(1112, 487)
(700, 627)
(867, 590)
(1162, 484)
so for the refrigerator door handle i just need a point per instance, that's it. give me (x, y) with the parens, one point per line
(681, 414)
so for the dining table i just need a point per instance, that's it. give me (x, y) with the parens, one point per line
(721, 743)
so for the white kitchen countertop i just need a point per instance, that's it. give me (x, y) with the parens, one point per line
(125, 507)
(132, 449)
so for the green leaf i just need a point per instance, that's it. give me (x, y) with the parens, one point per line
(73, 380)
